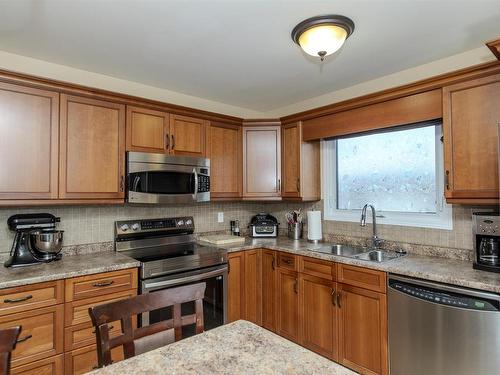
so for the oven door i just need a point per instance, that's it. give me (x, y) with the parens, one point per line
(214, 302)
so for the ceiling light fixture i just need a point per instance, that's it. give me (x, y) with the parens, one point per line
(322, 35)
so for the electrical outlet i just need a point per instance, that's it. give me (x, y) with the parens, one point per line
(220, 217)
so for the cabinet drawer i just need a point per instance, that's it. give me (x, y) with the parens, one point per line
(287, 261)
(42, 331)
(84, 334)
(83, 287)
(48, 366)
(317, 267)
(84, 360)
(29, 297)
(362, 277)
(77, 312)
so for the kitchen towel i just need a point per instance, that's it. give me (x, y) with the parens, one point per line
(314, 232)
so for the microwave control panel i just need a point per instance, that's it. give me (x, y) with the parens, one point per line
(203, 183)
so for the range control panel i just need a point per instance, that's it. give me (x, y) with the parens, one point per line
(486, 224)
(154, 225)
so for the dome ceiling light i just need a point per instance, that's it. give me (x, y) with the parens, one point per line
(322, 35)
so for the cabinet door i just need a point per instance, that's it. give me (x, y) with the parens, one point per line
(262, 162)
(269, 289)
(48, 366)
(224, 151)
(291, 139)
(471, 116)
(187, 136)
(83, 360)
(318, 315)
(236, 286)
(147, 130)
(363, 330)
(288, 304)
(92, 137)
(253, 286)
(29, 136)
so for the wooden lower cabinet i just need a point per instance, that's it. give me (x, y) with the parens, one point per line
(269, 289)
(288, 304)
(84, 360)
(318, 315)
(363, 330)
(336, 310)
(236, 291)
(48, 366)
(252, 286)
(41, 333)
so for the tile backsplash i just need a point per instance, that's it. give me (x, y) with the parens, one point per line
(92, 224)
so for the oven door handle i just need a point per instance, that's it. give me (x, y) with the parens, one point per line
(183, 280)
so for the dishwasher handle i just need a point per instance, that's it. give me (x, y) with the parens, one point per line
(446, 295)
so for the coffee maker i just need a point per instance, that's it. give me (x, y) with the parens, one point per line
(36, 240)
(486, 230)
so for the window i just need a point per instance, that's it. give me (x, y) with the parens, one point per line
(399, 171)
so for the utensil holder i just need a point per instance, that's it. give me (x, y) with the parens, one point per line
(295, 231)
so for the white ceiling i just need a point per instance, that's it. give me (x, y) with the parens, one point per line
(240, 52)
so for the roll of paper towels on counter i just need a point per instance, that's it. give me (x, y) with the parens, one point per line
(314, 232)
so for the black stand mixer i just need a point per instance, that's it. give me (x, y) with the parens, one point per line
(36, 239)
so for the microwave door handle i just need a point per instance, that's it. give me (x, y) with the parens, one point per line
(137, 181)
(195, 174)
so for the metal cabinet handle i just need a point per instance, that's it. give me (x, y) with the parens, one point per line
(279, 184)
(298, 185)
(334, 291)
(339, 296)
(447, 179)
(23, 339)
(167, 141)
(173, 142)
(20, 299)
(122, 183)
(296, 286)
(273, 264)
(103, 283)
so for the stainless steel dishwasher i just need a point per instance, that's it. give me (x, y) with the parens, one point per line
(437, 329)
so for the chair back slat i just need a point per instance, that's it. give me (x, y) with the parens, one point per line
(124, 310)
(8, 340)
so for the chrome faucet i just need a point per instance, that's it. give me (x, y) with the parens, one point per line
(375, 240)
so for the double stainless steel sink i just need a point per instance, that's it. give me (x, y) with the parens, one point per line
(357, 252)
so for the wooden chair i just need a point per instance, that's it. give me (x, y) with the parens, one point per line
(8, 340)
(140, 340)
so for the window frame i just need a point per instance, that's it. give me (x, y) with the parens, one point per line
(442, 219)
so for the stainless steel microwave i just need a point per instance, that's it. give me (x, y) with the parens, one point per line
(159, 178)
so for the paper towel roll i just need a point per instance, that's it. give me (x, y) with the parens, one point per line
(314, 232)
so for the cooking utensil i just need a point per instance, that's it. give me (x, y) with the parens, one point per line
(49, 241)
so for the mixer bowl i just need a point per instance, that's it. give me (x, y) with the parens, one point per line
(49, 241)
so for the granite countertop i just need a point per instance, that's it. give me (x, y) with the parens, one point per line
(68, 266)
(450, 271)
(236, 348)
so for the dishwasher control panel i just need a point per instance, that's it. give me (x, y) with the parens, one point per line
(444, 298)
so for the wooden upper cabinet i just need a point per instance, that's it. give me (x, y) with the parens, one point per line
(224, 144)
(301, 165)
(362, 330)
(29, 143)
(188, 136)
(92, 153)
(262, 162)
(147, 130)
(471, 116)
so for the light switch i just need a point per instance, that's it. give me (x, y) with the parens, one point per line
(220, 217)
